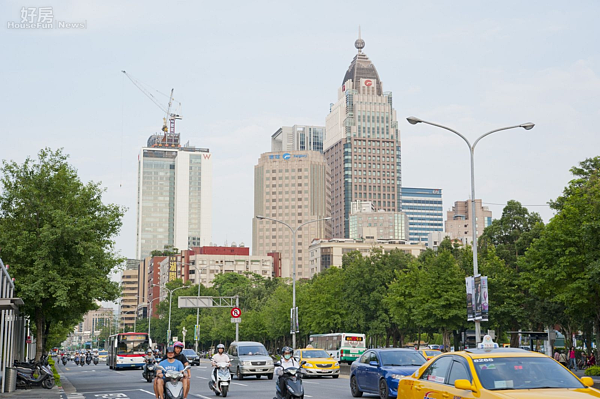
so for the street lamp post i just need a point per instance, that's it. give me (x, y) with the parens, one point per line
(197, 326)
(170, 302)
(294, 233)
(527, 126)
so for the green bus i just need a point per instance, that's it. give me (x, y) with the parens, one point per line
(343, 347)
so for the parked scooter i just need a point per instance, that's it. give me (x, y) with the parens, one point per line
(173, 384)
(292, 381)
(149, 370)
(26, 372)
(220, 386)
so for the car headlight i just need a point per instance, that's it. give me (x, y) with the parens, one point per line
(269, 362)
(397, 376)
(246, 363)
(336, 364)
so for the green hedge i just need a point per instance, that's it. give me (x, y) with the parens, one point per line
(594, 370)
(54, 371)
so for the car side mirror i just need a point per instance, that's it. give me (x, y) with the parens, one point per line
(465, 385)
(373, 363)
(303, 363)
(587, 381)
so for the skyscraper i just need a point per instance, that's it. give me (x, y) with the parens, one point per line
(298, 138)
(459, 220)
(174, 195)
(293, 187)
(362, 144)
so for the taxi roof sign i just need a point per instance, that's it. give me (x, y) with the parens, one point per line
(487, 343)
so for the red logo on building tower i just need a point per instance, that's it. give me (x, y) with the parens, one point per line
(368, 82)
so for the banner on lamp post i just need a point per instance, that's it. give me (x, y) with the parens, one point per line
(470, 299)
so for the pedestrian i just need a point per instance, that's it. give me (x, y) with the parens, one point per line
(556, 355)
(562, 359)
(592, 360)
(572, 361)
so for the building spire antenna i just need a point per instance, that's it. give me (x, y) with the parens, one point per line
(359, 43)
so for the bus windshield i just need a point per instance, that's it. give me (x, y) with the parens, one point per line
(132, 345)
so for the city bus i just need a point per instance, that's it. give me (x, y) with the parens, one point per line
(127, 350)
(343, 347)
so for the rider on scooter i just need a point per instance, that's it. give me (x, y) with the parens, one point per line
(286, 362)
(219, 357)
(169, 364)
(187, 376)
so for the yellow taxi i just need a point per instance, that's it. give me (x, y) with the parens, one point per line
(490, 372)
(429, 353)
(102, 355)
(318, 363)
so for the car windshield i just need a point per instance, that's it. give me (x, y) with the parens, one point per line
(432, 353)
(401, 358)
(253, 351)
(498, 373)
(189, 352)
(103, 353)
(314, 354)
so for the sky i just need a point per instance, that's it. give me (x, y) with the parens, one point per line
(242, 69)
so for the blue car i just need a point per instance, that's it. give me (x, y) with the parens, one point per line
(377, 371)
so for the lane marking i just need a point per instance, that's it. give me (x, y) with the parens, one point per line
(148, 392)
(204, 378)
(237, 383)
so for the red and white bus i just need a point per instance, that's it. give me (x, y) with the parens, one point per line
(127, 350)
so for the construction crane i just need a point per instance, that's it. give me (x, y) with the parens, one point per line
(167, 110)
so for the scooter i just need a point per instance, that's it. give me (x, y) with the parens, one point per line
(149, 370)
(221, 385)
(25, 376)
(292, 380)
(88, 358)
(64, 360)
(173, 384)
(95, 360)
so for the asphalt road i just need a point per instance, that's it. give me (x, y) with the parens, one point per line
(99, 382)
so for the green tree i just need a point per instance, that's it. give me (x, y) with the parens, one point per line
(564, 263)
(57, 236)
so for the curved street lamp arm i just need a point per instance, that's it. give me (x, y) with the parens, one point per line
(493, 131)
(310, 221)
(454, 131)
(275, 220)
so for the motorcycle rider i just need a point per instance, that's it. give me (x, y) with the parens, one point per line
(148, 358)
(287, 361)
(219, 357)
(170, 363)
(181, 357)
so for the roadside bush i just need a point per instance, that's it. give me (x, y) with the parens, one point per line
(594, 370)
(54, 371)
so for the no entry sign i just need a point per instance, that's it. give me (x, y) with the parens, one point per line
(236, 312)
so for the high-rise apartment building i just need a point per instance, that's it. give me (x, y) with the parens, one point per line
(459, 220)
(174, 195)
(129, 294)
(298, 138)
(369, 224)
(293, 187)
(362, 144)
(425, 212)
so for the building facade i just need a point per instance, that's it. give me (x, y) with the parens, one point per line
(293, 187)
(329, 253)
(298, 138)
(459, 220)
(425, 212)
(362, 144)
(174, 195)
(129, 295)
(366, 223)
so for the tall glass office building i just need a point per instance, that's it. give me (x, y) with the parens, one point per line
(362, 144)
(298, 138)
(425, 212)
(174, 195)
